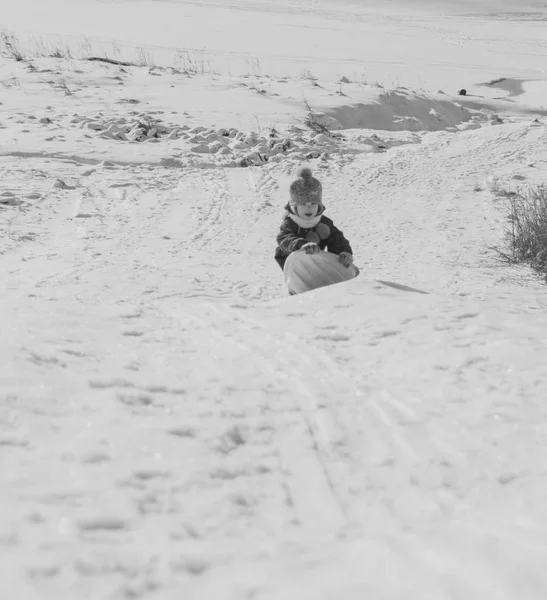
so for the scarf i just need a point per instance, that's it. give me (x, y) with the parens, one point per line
(305, 223)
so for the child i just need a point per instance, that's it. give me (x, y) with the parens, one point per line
(304, 225)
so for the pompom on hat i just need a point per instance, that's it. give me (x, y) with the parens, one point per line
(306, 189)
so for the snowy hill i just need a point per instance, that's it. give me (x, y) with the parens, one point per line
(173, 424)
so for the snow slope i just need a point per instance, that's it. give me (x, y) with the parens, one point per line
(172, 424)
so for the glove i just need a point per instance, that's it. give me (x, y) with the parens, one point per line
(345, 258)
(310, 248)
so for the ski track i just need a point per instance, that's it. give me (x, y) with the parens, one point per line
(202, 477)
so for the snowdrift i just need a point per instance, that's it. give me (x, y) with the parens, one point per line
(401, 110)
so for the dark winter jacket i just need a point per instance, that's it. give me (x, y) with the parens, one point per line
(291, 237)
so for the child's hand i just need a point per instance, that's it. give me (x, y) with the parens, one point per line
(311, 248)
(345, 258)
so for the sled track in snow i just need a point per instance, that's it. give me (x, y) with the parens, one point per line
(209, 220)
(345, 425)
(308, 479)
(302, 443)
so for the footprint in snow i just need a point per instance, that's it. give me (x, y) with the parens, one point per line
(110, 383)
(227, 473)
(149, 474)
(183, 432)
(466, 316)
(103, 524)
(13, 442)
(387, 333)
(75, 353)
(333, 337)
(140, 478)
(94, 458)
(41, 359)
(45, 571)
(194, 565)
(231, 439)
(136, 400)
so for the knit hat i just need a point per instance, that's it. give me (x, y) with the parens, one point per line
(306, 189)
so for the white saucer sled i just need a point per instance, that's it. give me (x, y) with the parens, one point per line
(304, 272)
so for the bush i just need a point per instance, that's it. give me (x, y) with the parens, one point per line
(527, 235)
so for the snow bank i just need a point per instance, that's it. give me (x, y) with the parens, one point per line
(402, 110)
(136, 116)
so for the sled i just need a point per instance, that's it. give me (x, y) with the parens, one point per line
(304, 272)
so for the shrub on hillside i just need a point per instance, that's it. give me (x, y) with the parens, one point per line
(527, 234)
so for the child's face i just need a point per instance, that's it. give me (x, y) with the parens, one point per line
(307, 211)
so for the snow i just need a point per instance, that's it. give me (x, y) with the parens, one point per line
(173, 424)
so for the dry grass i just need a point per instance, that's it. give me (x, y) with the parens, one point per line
(61, 86)
(188, 61)
(193, 63)
(59, 52)
(9, 47)
(311, 121)
(526, 237)
(144, 58)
